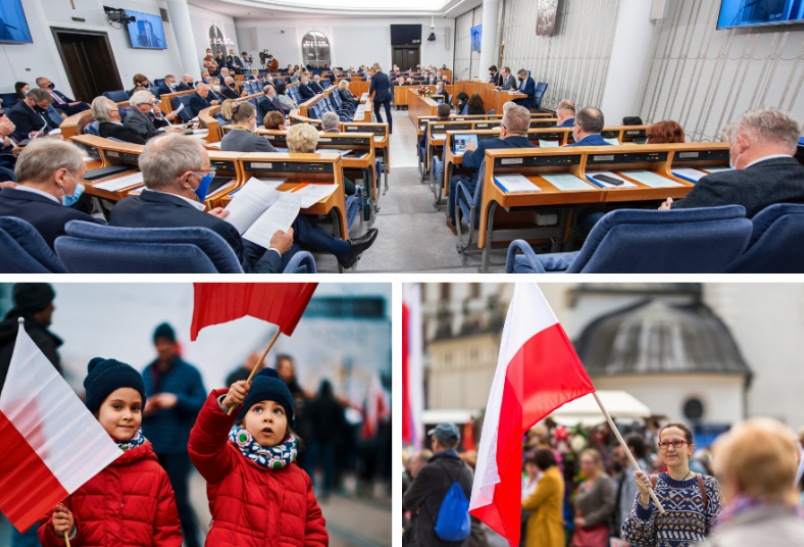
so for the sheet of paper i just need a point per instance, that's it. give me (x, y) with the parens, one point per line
(118, 184)
(566, 182)
(279, 217)
(515, 183)
(313, 193)
(692, 175)
(548, 144)
(604, 184)
(252, 200)
(649, 178)
(613, 142)
(716, 169)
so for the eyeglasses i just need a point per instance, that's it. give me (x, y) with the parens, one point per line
(676, 444)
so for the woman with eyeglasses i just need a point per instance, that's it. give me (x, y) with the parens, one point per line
(691, 501)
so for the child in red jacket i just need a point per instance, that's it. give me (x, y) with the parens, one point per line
(257, 494)
(130, 502)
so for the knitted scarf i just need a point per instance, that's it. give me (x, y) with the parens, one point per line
(135, 441)
(274, 457)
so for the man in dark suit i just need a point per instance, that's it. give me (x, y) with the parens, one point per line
(268, 103)
(381, 88)
(304, 90)
(47, 170)
(508, 80)
(29, 115)
(186, 84)
(495, 77)
(528, 87)
(589, 123)
(764, 172)
(199, 100)
(60, 100)
(146, 119)
(565, 112)
(513, 134)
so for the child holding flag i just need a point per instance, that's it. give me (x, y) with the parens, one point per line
(258, 496)
(131, 501)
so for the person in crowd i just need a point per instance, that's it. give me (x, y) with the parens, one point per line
(476, 106)
(241, 138)
(287, 104)
(431, 483)
(232, 451)
(513, 134)
(346, 95)
(328, 421)
(48, 173)
(330, 123)
(545, 525)
(169, 85)
(565, 114)
(234, 62)
(594, 503)
(141, 82)
(764, 169)
(228, 90)
(275, 120)
(690, 501)
(304, 90)
(315, 85)
(508, 80)
(440, 91)
(60, 100)
(495, 77)
(21, 89)
(175, 394)
(186, 84)
(96, 513)
(146, 119)
(201, 100)
(244, 371)
(665, 132)
(626, 483)
(220, 62)
(528, 87)
(173, 168)
(303, 139)
(380, 91)
(589, 123)
(29, 116)
(269, 102)
(107, 114)
(209, 63)
(756, 462)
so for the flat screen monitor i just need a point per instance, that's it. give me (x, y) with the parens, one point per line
(403, 35)
(477, 33)
(751, 13)
(146, 32)
(13, 25)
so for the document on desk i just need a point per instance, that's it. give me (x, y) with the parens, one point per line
(278, 217)
(649, 178)
(566, 182)
(548, 144)
(251, 202)
(592, 176)
(687, 173)
(515, 183)
(313, 193)
(118, 184)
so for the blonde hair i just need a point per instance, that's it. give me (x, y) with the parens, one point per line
(762, 455)
(343, 84)
(302, 138)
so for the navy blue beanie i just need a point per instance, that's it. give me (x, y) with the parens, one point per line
(267, 386)
(104, 376)
(165, 331)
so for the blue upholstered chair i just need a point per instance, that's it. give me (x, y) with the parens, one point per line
(702, 240)
(116, 96)
(776, 241)
(22, 249)
(541, 87)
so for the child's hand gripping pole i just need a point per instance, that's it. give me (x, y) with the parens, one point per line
(257, 367)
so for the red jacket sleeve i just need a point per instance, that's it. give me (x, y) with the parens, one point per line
(48, 538)
(209, 438)
(315, 531)
(167, 527)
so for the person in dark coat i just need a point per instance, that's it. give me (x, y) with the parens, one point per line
(327, 419)
(432, 482)
(381, 88)
(175, 394)
(764, 173)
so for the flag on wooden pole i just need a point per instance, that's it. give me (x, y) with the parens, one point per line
(50, 444)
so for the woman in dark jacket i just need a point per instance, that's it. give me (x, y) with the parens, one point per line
(476, 107)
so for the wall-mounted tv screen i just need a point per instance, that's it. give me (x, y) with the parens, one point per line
(146, 32)
(404, 35)
(477, 33)
(13, 25)
(750, 13)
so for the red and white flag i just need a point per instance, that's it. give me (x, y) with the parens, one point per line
(537, 372)
(50, 444)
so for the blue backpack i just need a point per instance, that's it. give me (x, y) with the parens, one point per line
(453, 522)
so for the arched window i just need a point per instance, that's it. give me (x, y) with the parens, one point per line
(315, 48)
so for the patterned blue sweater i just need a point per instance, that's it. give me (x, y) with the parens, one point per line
(685, 521)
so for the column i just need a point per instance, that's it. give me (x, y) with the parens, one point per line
(489, 45)
(183, 29)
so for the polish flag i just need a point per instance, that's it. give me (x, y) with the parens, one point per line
(537, 372)
(50, 444)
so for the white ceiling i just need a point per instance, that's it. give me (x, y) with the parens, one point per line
(290, 9)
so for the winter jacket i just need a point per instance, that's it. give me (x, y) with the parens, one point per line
(46, 341)
(128, 504)
(251, 506)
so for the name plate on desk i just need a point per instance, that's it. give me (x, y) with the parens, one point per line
(537, 161)
(289, 167)
(696, 155)
(631, 157)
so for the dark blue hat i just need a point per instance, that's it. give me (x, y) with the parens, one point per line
(267, 386)
(165, 331)
(104, 376)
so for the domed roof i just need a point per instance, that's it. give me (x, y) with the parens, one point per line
(657, 336)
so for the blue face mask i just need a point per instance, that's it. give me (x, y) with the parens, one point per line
(203, 186)
(71, 200)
